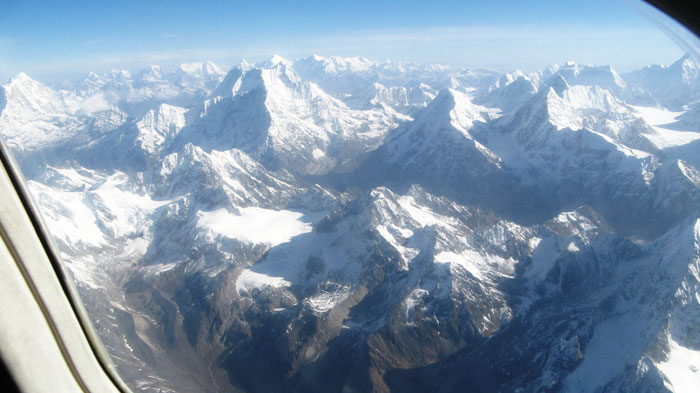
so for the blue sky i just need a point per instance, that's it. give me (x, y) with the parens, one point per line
(65, 39)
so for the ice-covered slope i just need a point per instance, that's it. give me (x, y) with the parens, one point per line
(438, 151)
(677, 134)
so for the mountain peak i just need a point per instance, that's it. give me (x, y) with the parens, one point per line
(120, 74)
(153, 72)
(690, 70)
(334, 65)
(277, 59)
(688, 59)
(454, 97)
(446, 96)
(453, 106)
(243, 65)
(212, 68)
(443, 104)
(274, 61)
(201, 69)
(558, 84)
(21, 78)
(23, 85)
(588, 75)
(21, 75)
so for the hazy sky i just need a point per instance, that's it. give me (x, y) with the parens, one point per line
(65, 39)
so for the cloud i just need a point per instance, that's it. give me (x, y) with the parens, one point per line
(169, 35)
(94, 103)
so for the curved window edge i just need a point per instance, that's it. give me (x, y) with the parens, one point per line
(39, 287)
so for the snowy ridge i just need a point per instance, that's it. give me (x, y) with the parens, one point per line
(295, 123)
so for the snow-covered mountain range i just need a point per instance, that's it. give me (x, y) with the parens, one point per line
(338, 224)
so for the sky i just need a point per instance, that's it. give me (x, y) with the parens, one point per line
(51, 40)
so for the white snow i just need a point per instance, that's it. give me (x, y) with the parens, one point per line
(158, 125)
(534, 242)
(468, 259)
(161, 268)
(656, 116)
(89, 218)
(577, 102)
(318, 153)
(325, 301)
(572, 218)
(410, 302)
(423, 215)
(103, 218)
(250, 280)
(407, 253)
(309, 129)
(66, 216)
(544, 255)
(254, 224)
(94, 104)
(608, 353)
(665, 137)
(669, 138)
(202, 70)
(127, 208)
(572, 247)
(85, 178)
(682, 368)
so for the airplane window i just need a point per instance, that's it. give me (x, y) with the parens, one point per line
(511, 202)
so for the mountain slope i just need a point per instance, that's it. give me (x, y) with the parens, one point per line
(671, 86)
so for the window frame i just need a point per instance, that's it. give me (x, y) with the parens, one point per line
(48, 342)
